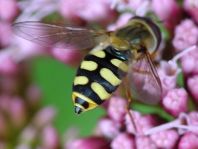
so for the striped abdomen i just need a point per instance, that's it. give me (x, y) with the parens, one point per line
(98, 76)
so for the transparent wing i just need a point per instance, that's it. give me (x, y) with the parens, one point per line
(58, 36)
(144, 80)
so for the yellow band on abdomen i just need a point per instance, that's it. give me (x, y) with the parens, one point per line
(100, 91)
(109, 76)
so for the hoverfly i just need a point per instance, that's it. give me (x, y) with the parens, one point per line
(116, 55)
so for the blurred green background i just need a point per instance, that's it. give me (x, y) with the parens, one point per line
(55, 80)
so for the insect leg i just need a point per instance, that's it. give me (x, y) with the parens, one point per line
(129, 99)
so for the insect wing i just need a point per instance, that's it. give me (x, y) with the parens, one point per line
(144, 80)
(58, 36)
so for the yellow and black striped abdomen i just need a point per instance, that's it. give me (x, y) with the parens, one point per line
(98, 76)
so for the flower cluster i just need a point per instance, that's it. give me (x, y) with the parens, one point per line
(173, 123)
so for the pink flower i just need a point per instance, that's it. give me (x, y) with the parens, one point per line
(189, 62)
(165, 139)
(192, 83)
(193, 118)
(168, 11)
(18, 112)
(89, 10)
(89, 143)
(5, 32)
(191, 6)
(8, 9)
(188, 141)
(44, 117)
(28, 134)
(117, 108)
(143, 142)
(108, 128)
(123, 141)
(142, 123)
(7, 64)
(121, 21)
(33, 94)
(68, 56)
(168, 72)
(175, 101)
(186, 35)
(50, 138)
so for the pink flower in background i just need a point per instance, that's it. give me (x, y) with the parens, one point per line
(189, 62)
(21, 112)
(8, 10)
(165, 139)
(144, 142)
(168, 72)
(108, 128)
(142, 123)
(188, 141)
(186, 35)
(175, 101)
(168, 11)
(117, 108)
(7, 64)
(89, 143)
(123, 141)
(191, 6)
(5, 32)
(121, 21)
(88, 10)
(18, 112)
(192, 83)
(69, 56)
(50, 138)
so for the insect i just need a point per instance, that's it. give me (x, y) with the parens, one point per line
(124, 53)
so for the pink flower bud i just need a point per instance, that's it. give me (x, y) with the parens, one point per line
(165, 139)
(7, 64)
(189, 62)
(17, 112)
(98, 10)
(191, 6)
(5, 102)
(168, 72)
(44, 116)
(193, 118)
(27, 49)
(121, 21)
(168, 11)
(50, 138)
(175, 101)
(89, 143)
(8, 9)
(143, 142)
(123, 141)
(69, 56)
(186, 28)
(142, 123)
(3, 145)
(33, 95)
(192, 84)
(28, 135)
(108, 128)
(5, 32)
(117, 108)
(23, 146)
(188, 141)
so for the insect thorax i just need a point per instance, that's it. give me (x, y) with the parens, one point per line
(98, 76)
(141, 31)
